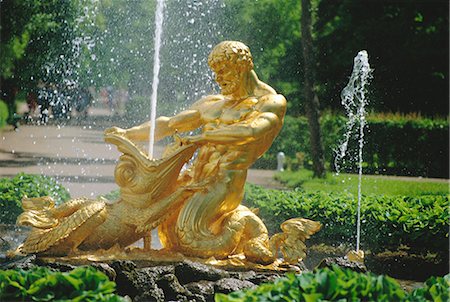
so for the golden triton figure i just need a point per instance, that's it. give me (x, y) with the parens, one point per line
(199, 211)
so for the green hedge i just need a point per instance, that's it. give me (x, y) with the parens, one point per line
(3, 114)
(12, 190)
(387, 222)
(43, 284)
(338, 284)
(399, 145)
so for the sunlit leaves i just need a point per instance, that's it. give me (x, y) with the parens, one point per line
(338, 284)
(43, 284)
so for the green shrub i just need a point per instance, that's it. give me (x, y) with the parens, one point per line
(3, 114)
(434, 289)
(387, 222)
(338, 284)
(395, 144)
(12, 190)
(43, 284)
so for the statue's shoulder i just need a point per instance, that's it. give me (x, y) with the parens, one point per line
(275, 103)
(208, 100)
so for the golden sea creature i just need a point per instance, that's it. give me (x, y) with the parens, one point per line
(146, 198)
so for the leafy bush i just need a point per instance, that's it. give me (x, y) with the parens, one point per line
(419, 222)
(12, 190)
(338, 284)
(395, 144)
(434, 289)
(3, 114)
(43, 284)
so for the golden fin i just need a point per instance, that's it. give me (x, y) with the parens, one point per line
(38, 219)
(37, 203)
(41, 240)
(295, 232)
(301, 226)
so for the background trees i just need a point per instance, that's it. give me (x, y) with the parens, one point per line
(42, 41)
(407, 42)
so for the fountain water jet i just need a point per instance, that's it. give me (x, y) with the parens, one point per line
(354, 101)
(158, 33)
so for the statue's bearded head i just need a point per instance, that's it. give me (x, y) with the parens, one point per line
(230, 60)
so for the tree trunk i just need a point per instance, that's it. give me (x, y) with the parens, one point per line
(312, 101)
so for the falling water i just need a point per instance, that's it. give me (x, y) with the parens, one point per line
(158, 33)
(354, 100)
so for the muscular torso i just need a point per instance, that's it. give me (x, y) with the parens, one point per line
(218, 113)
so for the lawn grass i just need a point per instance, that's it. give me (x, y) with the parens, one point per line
(371, 184)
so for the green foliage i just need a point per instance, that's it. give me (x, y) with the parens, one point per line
(3, 114)
(388, 222)
(43, 284)
(410, 74)
(37, 34)
(125, 48)
(371, 184)
(435, 289)
(392, 144)
(272, 31)
(338, 284)
(12, 190)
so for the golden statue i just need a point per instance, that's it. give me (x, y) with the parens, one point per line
(197, 211)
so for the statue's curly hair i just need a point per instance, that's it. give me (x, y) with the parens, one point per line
(233, 52)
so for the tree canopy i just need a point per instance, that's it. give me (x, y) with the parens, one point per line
(107, 42)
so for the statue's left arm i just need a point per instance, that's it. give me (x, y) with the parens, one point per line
(267, 118)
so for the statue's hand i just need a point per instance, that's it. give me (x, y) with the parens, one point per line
(115, 130)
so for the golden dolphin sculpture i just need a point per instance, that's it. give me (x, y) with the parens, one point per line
(147, 196)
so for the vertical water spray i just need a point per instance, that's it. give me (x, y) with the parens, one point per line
(353, 98)
(156, 65)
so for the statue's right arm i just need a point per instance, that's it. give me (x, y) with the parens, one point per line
(165, 126)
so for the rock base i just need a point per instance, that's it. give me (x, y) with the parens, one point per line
(183, 281)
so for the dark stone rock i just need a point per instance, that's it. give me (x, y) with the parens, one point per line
(243, 275)
(59, 266)
(203, 288)
(139, 284)
(228, 285)
(263, 278)
(161, 270)
(188, 271)
(199, 298)
(254, 277)
(106, 269)
(25, 263)
(344, 263)
(172, 289)
(123, 266)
